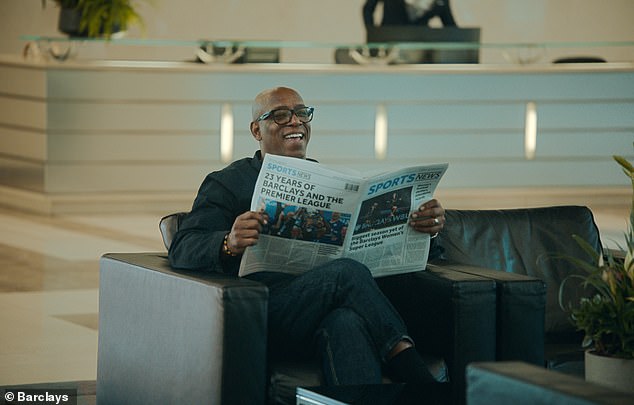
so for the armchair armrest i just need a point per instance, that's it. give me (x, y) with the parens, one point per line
(451, 316)
(520, 318)
(515, 382)
(178, 337)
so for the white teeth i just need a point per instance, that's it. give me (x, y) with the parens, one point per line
(293, 136)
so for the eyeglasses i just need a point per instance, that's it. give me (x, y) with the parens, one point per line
(283, 116)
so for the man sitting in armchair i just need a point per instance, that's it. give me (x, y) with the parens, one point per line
(336, 310)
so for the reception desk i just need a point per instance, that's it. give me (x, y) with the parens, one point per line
(99, 136)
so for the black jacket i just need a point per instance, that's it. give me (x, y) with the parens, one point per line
(222, 196)
(395, 13)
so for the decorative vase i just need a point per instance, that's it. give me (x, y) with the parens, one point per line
(612, 372)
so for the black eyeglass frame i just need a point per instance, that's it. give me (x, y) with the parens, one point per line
(271, 114)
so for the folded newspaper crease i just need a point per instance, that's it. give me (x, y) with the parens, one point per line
(317, 214)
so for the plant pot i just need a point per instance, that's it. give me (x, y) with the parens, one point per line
(611, 372)
(68, 22)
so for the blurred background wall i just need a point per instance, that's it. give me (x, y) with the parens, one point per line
(334, 21)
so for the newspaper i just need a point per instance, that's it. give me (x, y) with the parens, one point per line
(316, 214)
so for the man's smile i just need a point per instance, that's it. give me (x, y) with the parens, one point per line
(295, 135)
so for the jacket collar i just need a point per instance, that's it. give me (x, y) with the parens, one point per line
(256, 162)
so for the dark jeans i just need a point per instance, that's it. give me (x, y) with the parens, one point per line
(338, 311)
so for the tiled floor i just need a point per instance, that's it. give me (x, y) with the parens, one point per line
(49, 278)
(49, 286)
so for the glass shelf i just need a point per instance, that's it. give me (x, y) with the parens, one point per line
(232, 51)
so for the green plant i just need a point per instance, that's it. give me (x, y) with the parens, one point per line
(105, 17)
(102, 18)
(607, 317)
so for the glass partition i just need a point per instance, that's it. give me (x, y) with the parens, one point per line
(372, 53)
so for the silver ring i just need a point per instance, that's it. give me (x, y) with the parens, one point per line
(436, 221)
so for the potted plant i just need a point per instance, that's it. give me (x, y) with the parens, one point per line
(607, 316)
(96, 18)
(69, 16)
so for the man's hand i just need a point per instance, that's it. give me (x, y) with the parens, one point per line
(246, 231)
(429, 218)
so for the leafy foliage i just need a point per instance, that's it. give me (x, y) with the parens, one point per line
(102, 18)
(105, 17)
(607, 318)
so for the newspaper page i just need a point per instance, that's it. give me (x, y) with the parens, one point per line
(316, 214)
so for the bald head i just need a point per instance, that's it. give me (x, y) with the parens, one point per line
(287, 139)
(267, 100)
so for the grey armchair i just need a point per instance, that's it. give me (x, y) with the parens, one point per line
(170, 336)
